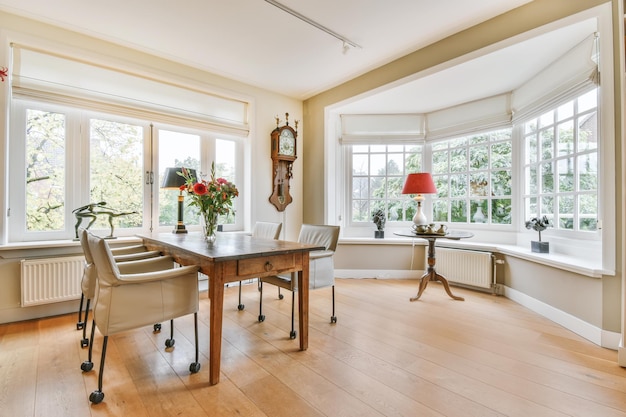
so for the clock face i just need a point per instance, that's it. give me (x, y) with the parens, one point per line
(287, 143)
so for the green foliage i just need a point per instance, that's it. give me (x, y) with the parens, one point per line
(45, 170)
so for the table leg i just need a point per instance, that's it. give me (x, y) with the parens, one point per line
(447, 287)
(432, 275)
(216, 297)
(303, 302)
(423, 283)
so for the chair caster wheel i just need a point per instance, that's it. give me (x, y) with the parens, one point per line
(86, 366)
(261, 318)
(292, 334)
(157, 327)
(80, 325)
(280, 296)
(333, 319)
(96, 397)
(194, 367)
(240, 307)
(84, 343)
(169, 343)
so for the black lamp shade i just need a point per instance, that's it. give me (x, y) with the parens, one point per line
(171, 179)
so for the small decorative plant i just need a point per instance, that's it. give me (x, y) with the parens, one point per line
(539, 225)
(379, 219)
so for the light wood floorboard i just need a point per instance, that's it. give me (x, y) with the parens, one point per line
(485, 356)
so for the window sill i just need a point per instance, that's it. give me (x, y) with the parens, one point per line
(50, 244)
(590, 268)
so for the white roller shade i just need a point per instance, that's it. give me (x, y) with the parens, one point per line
(569, 76)
(381, 128)
(68, 80)
(477, 116)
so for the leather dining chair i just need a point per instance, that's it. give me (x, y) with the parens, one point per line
(321, 268)
(88, 281)
(264, 230)
(134, 294)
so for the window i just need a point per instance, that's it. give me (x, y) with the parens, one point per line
(561, 165)
(473, 179)
(377, 176)
(65, 158)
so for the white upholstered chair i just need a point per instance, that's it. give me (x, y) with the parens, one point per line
(264, 230)
(135, 294)
(321, 268)
(88, 282)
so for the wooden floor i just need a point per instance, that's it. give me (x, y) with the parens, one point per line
(485, 356)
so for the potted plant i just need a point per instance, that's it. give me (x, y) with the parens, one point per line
(379, 219)
(539, 225)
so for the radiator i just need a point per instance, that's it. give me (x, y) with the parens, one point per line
(51, 280)
(464, 267)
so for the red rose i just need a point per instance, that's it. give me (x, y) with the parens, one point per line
(200, 189)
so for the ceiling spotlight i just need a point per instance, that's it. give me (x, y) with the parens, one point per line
(346, 48)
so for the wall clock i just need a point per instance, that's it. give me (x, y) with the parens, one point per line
(284, 149)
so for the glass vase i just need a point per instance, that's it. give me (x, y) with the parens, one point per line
(209, 226)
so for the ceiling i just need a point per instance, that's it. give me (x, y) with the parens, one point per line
(255, 42)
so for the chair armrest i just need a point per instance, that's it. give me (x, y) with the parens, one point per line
(136, 256)
(158, 275)
(146, 265)
(125, 250)
(320, 254)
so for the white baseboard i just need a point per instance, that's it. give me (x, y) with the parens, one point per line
(592, 333)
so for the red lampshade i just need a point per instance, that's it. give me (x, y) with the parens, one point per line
(419, 183)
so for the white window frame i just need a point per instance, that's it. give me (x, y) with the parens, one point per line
(77, 169)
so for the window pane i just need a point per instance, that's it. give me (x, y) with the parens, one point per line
(588, 101)
(458, 211)
(547, 144)
(176, 149)
(479, 157)
(501, 183)
(501, 211)
(587, 132)
(566, 174)
(588, 172)
(566, 138)
(360, 164)
(45, 171)
(440, 162)
(566, 212)
(116, 165)
(587, 207)
(565, 111)
(360, 210)
(478, 210)
(479, 184)
(458, 185)
(359, 187)
(501, 155)
(547, 177)
(440, 208)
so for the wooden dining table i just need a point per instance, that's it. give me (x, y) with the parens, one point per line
(235, 257)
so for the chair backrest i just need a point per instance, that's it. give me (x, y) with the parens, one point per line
(82, 237)
(108, 272)
(320, 235)
(267, 230)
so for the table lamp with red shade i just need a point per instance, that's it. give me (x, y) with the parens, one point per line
(419, 183)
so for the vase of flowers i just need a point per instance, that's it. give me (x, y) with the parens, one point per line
(213, 197)
(539, 225)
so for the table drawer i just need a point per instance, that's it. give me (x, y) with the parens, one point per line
(265, 265)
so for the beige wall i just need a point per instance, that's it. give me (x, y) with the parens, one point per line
(604, 305)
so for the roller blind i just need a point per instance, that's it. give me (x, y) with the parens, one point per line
(44, 75)
(573, 74)
(360, 129)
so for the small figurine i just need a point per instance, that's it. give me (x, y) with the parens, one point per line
(91, 211)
